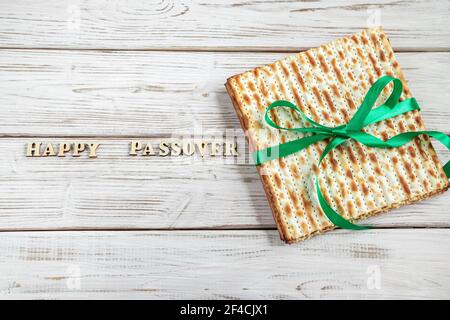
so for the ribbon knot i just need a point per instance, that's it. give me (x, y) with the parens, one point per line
(363, 117)
(340, 131)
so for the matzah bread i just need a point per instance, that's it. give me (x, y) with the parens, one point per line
(328, 84)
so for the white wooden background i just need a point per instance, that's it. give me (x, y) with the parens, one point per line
(126, 227)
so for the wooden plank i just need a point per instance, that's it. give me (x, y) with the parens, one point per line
(394, 264)
(121, 192)
(57, 93)
(217, 25)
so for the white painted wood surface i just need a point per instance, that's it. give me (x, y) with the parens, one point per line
(217, 24)
(249, 264)
(157, 93)
(119, 191)
(110, 71)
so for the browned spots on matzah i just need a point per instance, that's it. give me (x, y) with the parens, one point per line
(390, 124)
(251, 86)
(294, 171)
(378, 171)
(350, 210)
(277, 180)
(337, 71)
(351, 155)
(419, 147)
(405, 185)
(323, 64)
(431, 173)
(341, 55)
(302, 158)
(247, 99)
(409, 170)
(382, 55)
(304, 227)
(349, 173)
(419, 121)
(358, 203)
(374, 39)
(288, 210)
(298, 101)
(264, 91)
(310, 58)
(274, 91)
(350, 75)
(326, 115)
(308, 210)
(364, 188)
(329, 180)
(355, 39)
(315, 169)
(345, 115)
(374, 64)
(364, 39)
(329, 100)
(334, 163)
(411, 152)
(294, 114)
(338, 204)
(294, 199)
(371, 179)
(343, 189)
(360, 54)
(349, 100)
(285, 70)
(239, 84)
(426, 184)
(317, 95)
(282, 163)
(298, 76)
(360, 152)
(335, 90)
(315, 115)
(259, 104)
(353, 186)
(274, 117)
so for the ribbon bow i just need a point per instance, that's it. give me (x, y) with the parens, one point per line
(364, 116)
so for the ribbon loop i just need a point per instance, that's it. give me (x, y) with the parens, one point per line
(365, 115)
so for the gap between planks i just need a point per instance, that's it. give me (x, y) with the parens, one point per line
(209, 49)
(216, 229)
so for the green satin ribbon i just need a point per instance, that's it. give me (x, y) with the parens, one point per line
(364, 116)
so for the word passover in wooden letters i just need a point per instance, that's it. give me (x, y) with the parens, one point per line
(136, 148)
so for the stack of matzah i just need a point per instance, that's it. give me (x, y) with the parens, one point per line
(328, 84)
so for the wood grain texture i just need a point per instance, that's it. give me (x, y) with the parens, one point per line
(75, 69)
(121, 192)
(60, 93)
(224, 264)
(217, 25)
